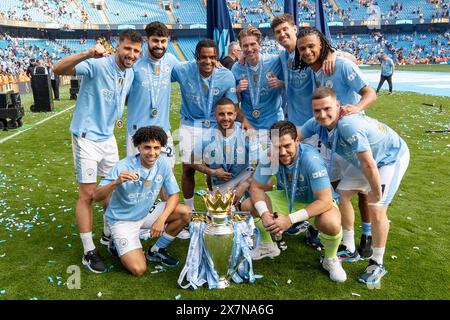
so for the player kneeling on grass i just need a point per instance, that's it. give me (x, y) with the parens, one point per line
(303, 179)
(134, 185)
(378, 159)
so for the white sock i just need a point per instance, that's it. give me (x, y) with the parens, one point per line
(378, 254)
(88, 243)
(348, 239)
(189, 202)
(106, 230)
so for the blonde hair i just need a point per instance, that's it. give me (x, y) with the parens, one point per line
(250, 32)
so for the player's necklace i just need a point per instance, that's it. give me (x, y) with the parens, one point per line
(118, 92)
(208, 104)
(295, 180)
(151, 172)
(255, 86)
(155, 89)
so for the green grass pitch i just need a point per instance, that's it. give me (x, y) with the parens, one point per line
(39, 237)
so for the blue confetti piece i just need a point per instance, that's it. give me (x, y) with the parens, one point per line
(34, 298)
(1, 241)
(50, 279)
(51, 261)
(178, 297)
(2, 291)
(69, 245)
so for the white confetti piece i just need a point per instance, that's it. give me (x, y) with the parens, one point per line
(408, 218)
(289, 281)
(178, 297)
(429, 229)
(416, 248)
(356, 294)
(99, 294)
(394, 257)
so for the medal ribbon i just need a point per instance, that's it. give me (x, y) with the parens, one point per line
(294, 183)
(154, 94)
(255, 92)
(206, 105)
(118, 97)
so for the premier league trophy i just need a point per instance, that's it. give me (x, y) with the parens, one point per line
(219, 233)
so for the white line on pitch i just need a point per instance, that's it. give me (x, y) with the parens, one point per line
(36, 124)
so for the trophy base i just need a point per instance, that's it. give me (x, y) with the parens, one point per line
(223, 283)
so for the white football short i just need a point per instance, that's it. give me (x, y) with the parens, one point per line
(233, 183)
(125, 234)
(390, 178)
(93, 158)
(188, 136)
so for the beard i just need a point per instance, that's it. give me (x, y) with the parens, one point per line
(157, 54)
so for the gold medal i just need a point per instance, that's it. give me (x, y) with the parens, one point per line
(146, 183)
(137, 177)
(207, 123)
(255, 77)
(289, 177)
(205, 87)
(156, 70)
(119, 123)
(228, 149)
(256, 113)
(154, 112)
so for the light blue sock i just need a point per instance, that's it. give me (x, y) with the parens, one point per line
(163, 242)
(366, 229)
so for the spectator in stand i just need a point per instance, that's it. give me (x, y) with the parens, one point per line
(234, 52)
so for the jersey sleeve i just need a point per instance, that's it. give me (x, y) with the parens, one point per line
(85, 68)
(112, 175)
(230, 91)
(170, 183)
(264, 170)
(309, 128)
(353, 133)
(353, 76)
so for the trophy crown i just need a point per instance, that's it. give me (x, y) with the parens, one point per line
(218, 203)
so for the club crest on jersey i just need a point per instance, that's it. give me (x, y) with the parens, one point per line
(108, 95)
(215, 91)
(159, 178)
(329, 84)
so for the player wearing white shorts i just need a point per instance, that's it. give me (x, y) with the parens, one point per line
(378, 159)
(149, 98)
(134, 185)
(100, 104)
(202, 84)
(226, 154)
(355, 95)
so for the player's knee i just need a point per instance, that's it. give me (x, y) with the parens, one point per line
(138, 269)
(184, 213)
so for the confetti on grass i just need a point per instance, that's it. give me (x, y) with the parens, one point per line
(289, 281)
(178, 297)
(99, 294)
(356, 294)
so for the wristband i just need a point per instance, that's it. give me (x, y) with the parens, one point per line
(299, 216)
(261, 207)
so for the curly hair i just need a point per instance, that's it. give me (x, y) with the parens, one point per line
(150, 133)
(325, 49)
(157, 29)
(205, 43)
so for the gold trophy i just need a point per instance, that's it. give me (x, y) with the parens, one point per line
(219, 233)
